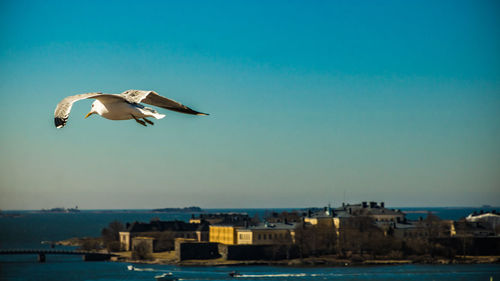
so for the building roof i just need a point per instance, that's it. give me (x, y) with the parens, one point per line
(158, 225)
(270, 226)
(144, 238)
(405, 226)
(226, 219)
(342, 214)
(383, 211)
(485, 216)
(366, 208)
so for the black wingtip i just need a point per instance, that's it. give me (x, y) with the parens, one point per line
(60, 122)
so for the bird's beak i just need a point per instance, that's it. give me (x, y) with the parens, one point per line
(88, 114)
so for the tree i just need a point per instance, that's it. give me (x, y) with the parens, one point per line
(111, 236)
(326, 239)
(90, 244)
(304, 239)
(166, 240)
(355, 234)
(315, 239)
(142, 251)
(114, 246)
(255, 220)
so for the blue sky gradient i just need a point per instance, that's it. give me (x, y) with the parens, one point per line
(311, 102)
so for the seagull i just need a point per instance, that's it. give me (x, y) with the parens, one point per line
(122, 106)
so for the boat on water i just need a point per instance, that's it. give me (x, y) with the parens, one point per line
(234, 274)
(133, 268)
(166, 277)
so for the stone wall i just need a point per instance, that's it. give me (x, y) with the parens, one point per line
(472, 245)
(257, 252)
(190, 250)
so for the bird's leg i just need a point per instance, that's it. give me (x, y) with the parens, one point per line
(140, 121)
(148, 121)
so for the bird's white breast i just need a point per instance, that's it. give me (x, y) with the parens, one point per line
(119, 111)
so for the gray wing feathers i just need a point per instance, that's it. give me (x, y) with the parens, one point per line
(61, 114)
(134, 96)
(152, 98)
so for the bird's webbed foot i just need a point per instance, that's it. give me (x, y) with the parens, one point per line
(140, 121)
(148, 121)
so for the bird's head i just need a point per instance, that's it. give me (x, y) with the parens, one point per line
(97, 107)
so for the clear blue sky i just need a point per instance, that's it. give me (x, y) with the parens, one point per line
(311, 102)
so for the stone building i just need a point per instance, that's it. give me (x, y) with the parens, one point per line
(372, 209)
(164, 232)
(486, 220)
(320, 217)
(431, 227)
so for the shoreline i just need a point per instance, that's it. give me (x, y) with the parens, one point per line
(169, 258)
(322, 261)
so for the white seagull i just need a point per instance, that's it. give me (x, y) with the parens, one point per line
(122, 106)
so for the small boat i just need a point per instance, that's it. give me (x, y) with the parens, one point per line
(234, 274)
(166, 277)
(133, 268)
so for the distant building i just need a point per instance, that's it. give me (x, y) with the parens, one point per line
(486, 219)
(224, 234)
(266, 234)
(376, 211)
(431, 227)
(284, 217)
(476, 228)
(322, 218)
(223, 227)
(164, 231)
(220, 218)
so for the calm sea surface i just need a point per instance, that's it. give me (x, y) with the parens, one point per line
(29, 230)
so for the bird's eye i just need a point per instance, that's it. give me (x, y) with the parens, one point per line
(92, 105)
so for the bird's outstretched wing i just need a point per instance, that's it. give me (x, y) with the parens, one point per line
(152, 98)
(61, 114)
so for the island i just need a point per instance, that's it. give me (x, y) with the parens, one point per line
(192, 209)
(365, 233)
(60, 210)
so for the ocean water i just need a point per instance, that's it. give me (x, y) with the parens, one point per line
(27, 232)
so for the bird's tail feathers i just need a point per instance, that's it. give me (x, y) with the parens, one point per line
(159, 116)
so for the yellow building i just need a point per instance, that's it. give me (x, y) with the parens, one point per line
(224, 234)
(266, 234)
(195, 220)
(327, 221)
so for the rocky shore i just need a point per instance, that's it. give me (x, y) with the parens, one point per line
(326, 261)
